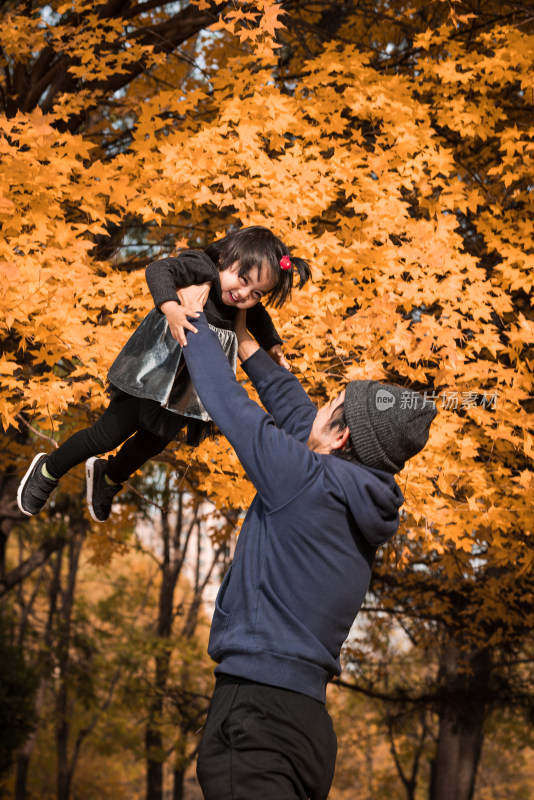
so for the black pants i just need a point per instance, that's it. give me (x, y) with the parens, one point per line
(265, 743)
(118, 423)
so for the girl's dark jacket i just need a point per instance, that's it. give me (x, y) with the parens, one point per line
(151, 365)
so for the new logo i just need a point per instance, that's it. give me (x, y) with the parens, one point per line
(384, 400)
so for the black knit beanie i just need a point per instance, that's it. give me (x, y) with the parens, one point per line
(387, 424)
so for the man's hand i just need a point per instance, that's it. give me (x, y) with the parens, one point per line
(277, 355)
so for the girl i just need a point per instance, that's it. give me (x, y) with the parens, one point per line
(152, 398)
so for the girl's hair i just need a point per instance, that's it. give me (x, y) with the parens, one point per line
(258, 247)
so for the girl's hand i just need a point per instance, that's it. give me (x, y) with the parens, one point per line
(177, 317)
(277, 355)
(192, 298)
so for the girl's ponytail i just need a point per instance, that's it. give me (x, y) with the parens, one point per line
(302, 269)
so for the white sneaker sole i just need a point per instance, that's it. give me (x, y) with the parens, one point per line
(23, 483)
(89, 480)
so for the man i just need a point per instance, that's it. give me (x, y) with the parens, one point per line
(326, 499)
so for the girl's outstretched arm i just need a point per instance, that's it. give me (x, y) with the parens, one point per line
(260, 324)
(246, 345)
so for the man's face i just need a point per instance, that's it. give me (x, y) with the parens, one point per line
(322, 437)
(247, 290)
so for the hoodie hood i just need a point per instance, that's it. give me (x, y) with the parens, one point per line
(372, 497)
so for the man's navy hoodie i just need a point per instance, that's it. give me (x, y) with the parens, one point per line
(303, 559)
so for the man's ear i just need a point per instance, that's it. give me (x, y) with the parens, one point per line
(341, 439)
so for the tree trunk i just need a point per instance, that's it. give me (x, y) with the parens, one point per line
(178, 787)
(153, 737)
(25, 753)
(458, 754)
(22, 764)
(154, 768)
(462, 715)
(173, 557)
(62, 740)
(65, 769)
(180, 755)
(9, 481)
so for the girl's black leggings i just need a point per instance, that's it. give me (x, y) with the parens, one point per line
(116, 425)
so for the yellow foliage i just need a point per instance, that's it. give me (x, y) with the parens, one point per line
(351, 169)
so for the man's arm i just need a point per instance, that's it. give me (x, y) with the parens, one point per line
(278, 465)
(281, 393)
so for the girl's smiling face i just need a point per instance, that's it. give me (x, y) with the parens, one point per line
(247, 290)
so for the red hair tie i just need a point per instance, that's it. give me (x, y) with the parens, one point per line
(285, 262)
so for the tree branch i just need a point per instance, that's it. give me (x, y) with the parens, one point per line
(15, 576)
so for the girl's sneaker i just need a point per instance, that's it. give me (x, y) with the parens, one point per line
(100, 493)
(35, 487)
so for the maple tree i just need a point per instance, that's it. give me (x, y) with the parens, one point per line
(388, 145)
